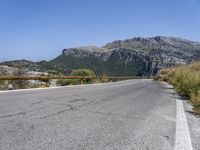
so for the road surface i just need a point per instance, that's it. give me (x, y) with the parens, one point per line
(126, 115)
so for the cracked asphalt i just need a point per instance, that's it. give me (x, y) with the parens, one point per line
(132, 115)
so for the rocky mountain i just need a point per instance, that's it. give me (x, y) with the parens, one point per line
(136, 56)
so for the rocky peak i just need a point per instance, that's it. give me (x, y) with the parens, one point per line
(154, 43)
(85, 49)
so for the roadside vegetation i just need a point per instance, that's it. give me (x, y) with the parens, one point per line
(186, 81)
(15, 84)
(23, 84)
(80, 73)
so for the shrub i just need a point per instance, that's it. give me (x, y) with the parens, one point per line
(53, 72)
(81, 73)
(64, 82)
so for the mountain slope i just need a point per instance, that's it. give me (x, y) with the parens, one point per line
(136, 56)
(118, 62)
(131, 57)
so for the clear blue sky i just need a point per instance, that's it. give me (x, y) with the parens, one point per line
(40, 29)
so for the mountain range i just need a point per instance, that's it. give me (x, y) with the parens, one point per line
(131, 57)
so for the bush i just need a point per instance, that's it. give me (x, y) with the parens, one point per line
(64, 82)
(81, 73)
(53, 73)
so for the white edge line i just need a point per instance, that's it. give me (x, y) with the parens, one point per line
(182, 139)
(56, 87)
(47, 88)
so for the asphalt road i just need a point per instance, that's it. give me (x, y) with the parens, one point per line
(127, 115)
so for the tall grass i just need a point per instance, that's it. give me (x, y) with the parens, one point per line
(186, 80)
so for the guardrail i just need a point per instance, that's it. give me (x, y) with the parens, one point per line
(82, 78)
(42, 78)
(47, 79)
(63, 77)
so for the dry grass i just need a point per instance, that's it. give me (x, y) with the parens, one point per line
(186, 80)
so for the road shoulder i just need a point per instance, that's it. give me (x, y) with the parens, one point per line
(194, 125)
(193, 120)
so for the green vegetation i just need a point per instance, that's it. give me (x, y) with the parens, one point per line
(186, 80)
(3, 85)
(114, 66)
(81, 73)
(53, 73)
(20, 84)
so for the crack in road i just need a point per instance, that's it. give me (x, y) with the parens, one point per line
(54, 114)
(38, 102)
(20, 113)
(77, 100)
(110, 114)
(75, 108)
(62, 111)
(12, 115)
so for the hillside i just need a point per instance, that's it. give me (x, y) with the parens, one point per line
(136, 56)
(27, 65)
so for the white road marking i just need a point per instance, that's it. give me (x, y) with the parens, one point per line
(45, 88)
(183, 140)
(57, 87)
